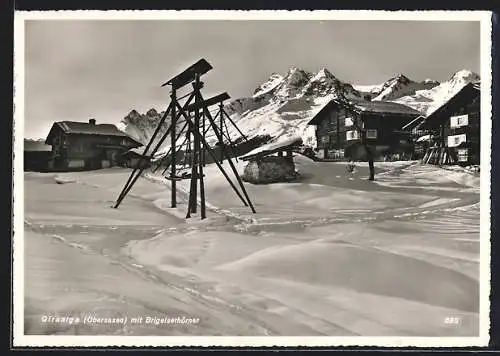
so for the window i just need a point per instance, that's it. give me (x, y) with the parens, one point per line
(351, 135)
(456, 140)
(463, 155)
(348, 122)
(371, 134)
(459, 121)
(335, 153)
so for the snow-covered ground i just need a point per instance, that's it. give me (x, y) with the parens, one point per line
(331, 254)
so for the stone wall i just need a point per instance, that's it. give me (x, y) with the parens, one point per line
(270, 169)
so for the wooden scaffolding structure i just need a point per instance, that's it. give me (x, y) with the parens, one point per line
(197, 122)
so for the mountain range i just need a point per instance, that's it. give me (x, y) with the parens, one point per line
(283, 104)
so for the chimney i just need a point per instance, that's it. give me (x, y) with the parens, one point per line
(92, 122)
(368, 97)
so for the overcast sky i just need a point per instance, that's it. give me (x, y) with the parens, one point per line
(76, 70)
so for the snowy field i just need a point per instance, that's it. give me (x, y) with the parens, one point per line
(331, 254)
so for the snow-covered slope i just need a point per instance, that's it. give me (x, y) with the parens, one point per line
(274, 80)
(283, 110)
(428, 100)
(401, 86)
(396, 87)
(368, 89)
(141, 126)
(280, 107)
(283, 105)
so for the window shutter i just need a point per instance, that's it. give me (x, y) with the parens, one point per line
(372, 134)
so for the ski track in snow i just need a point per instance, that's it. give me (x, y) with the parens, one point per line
(131, 247)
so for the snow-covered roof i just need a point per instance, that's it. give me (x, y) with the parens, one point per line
(368, 107)
(139, 151)
(385, 107)
(273, 147)
(424, 138)
(87, 128)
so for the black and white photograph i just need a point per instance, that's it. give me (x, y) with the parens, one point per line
(252, 178)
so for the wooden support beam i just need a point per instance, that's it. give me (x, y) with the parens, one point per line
(134, 176)
(187, 76)
(131, 177)
(173, 191)
(226, 176)
(209, 102)
(231, 164)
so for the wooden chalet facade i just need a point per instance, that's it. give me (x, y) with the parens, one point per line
(420, 138)
(87, 145)
(455, 128)
(341, 129)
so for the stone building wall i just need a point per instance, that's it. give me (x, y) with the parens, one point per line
(270, 169)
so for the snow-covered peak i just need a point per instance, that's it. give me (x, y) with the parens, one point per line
(430, 81)
(396, 87)
(274, 80)
(324, 83)
(465, 75)
(133, 115)
(370, 88)
(426, 101)
(400, 86)
(323, 74)
(152, 113)
(282, 106)
(297, 77)
(401, 78)
(141, 126)
(392, 88)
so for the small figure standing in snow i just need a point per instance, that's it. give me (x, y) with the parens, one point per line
(350, 168)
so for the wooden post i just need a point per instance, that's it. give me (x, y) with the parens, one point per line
(368, 150)
(441, 134)
(337, 146)
(224, 173)
(231, 164)
(195, 168)
(221, 141)
(173, 152)
(202, 150)
(202, 190)
(136, 172)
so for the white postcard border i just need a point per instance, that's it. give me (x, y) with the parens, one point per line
(205, 341)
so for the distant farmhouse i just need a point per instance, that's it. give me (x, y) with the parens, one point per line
(338, 128)
(87, 145)
(135, 158)
(454, 129)
(37, 155)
